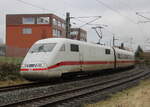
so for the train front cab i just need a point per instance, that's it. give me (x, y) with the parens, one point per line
(38, 62)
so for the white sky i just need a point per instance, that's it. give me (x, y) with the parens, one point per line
(119, 15)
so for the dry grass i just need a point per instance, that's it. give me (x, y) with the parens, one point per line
(138, 96)
(10, 82)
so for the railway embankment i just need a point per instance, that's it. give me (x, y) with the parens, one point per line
(138, 96)
(73, 93)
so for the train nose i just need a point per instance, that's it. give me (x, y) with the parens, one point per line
(40, 72)
(29, 71)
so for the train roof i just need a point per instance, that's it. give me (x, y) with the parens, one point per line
(124, 51)
(65, 40)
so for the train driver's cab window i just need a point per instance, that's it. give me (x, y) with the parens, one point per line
(42, 47)
(74, 48)
(62, 49)
(107, 51)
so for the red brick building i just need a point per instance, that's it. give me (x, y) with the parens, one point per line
(78, 34)
(22, 30)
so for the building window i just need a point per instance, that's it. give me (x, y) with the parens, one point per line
(28, 20)
(26, 31)
(74, 48)
(55, 22)
(74, 33)
(59, 23)
(54, 32)
(107, 51)
(57, 33)
(63, 25)
(43, 20)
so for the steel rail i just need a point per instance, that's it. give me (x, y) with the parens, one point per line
(22, 86)
(57, 97)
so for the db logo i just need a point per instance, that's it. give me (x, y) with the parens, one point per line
(30, 69)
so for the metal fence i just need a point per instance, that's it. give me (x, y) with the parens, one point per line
(15, 51)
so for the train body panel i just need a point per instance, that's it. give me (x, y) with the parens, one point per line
(51, 58)
(92, 59)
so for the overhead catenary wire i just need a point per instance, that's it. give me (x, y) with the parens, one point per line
(33, 5)
(86, 17)
(129, 7)
(85, 22)
(116, 11)
(36, 6)
(141, 29)
(146, 12)
(122, 2)
(143, 21)
(137, 13)
(90, 22)
(128, 18)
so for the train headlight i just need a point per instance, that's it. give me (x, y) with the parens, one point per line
(23, 65)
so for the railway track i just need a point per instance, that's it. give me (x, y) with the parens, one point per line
(69, 94)
(39, 84)
(22, 86)
(32, 85)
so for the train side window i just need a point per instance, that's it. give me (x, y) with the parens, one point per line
(62, 48)
(107, 51)
(74, 48)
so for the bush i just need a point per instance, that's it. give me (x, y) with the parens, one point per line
(9, 71)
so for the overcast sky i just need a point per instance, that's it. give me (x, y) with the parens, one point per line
(119, 16)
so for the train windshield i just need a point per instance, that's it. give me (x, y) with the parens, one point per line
(43, 47)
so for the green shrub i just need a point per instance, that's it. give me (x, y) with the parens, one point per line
(9, 71)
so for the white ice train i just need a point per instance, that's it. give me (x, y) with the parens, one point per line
(55, 57)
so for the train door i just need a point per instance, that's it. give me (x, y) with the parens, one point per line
(115, 58)
(81, 60)
(76, 55)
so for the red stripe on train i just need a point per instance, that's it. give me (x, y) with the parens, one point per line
(76, 63)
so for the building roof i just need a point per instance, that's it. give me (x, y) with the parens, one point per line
(17, 18)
